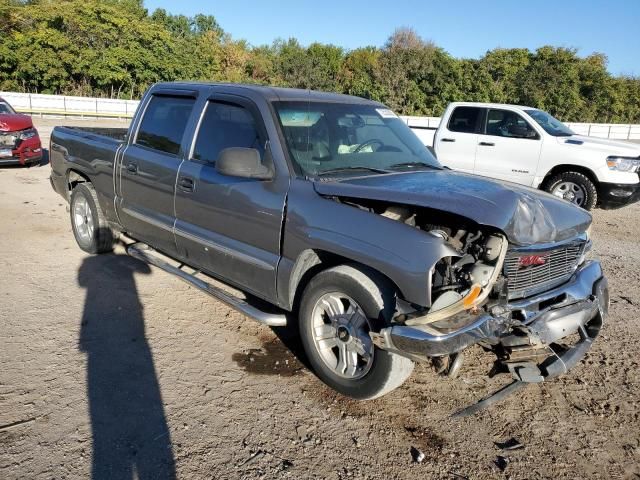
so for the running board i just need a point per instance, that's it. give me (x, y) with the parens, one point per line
(147, 254)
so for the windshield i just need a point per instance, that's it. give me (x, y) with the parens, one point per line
(342, 138)
(551, 125)
(5, 108)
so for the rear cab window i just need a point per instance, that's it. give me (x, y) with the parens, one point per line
(465, 120)
(164, 123)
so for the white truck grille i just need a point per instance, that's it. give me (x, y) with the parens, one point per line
(530, 272)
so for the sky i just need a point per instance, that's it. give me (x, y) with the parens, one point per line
(464, 28)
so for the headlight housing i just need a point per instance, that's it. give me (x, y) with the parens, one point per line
(623, 164)
(28, 133)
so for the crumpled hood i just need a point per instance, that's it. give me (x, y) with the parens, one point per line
(525, 215)
(605, 145)
(14, 122)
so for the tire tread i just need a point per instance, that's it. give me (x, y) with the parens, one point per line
(383, 294)
(577, 177)
(104, 238)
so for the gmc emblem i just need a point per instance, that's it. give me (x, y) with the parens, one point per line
(531, 261)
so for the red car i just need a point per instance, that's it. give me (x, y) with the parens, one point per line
(19, 140)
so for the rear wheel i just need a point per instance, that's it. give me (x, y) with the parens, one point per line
(90, 227)
(574, 187)
(338, 309)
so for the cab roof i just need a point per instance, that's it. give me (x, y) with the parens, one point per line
(274, 93)
(490, 105)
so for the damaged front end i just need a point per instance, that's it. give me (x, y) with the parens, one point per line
(528, 336)
(537, 307)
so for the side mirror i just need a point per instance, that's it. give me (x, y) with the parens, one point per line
(521, 131)
(242, 162)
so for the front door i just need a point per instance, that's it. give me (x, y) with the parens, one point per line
(509, 148)
(230, 226)
(148, 169)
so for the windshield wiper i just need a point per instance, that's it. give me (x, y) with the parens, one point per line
(352, 169)
(416, 165)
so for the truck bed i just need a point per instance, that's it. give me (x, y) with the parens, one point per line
(90, 153)
(118, 134)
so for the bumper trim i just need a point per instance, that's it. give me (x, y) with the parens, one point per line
(19, 161)
(617, 195)
(581, 299)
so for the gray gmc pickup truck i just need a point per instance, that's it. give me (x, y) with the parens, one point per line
(326, 210)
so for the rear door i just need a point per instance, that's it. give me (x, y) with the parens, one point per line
(149, 166)
(508, 148)
(457, 140)
(230, 226)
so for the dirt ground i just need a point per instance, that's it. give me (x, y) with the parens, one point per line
(111, 369)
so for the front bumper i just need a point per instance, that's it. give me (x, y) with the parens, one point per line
(24, 152)
(524, 332)
(616, 195)
(17, 160)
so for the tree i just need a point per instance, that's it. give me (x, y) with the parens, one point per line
(315, 67)
(506, 67)
(116, 48)
(358, 74)
(417, 76)
(551, 82)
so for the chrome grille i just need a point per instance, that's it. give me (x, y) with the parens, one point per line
(559, 265)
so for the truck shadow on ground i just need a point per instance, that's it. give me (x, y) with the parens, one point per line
(131, 438)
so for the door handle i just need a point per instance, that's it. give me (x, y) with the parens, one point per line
(487, 144)
(448, 140)
(186, 184)
(132, 168)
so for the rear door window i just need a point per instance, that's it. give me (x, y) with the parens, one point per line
(465, 120)
(225, 125)
(164, 123)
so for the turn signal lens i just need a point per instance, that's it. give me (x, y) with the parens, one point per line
(623, 164)
(472, 296)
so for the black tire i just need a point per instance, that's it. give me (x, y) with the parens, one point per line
(101, 238)
(587, 187)
(376, 297)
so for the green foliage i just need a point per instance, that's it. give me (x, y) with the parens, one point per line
(359, 74)
(116, 48)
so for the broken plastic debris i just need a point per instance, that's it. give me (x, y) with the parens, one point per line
(417, 455)
(511, 444)
(501, 462)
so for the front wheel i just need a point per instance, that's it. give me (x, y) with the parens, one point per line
(339, 308)
(574, 187)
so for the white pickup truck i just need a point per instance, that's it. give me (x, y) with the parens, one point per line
(528, 146)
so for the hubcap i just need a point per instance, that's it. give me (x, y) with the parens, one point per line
(572, 192)
(341, 335)
(83, 219)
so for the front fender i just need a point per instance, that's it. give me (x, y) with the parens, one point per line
(402, 253)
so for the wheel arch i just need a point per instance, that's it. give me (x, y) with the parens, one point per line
(310, 262)
(569, 167)
(75, 177)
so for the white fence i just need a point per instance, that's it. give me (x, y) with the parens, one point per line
(424, 127)
(38, 104)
